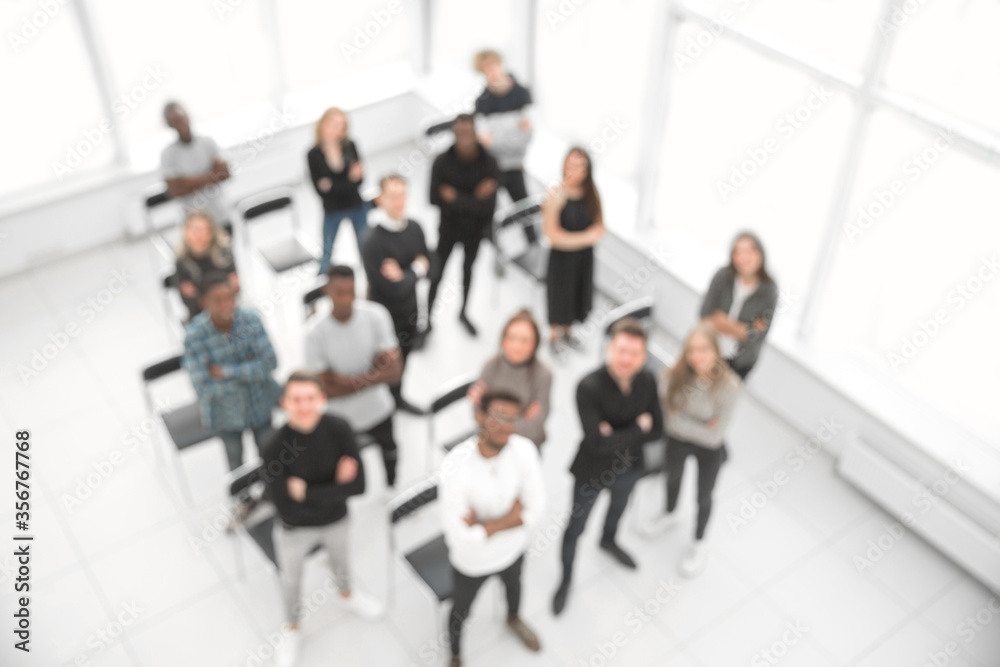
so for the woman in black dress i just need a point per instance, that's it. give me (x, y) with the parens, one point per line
(573, 223)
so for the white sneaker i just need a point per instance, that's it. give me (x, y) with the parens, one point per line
(286, 653)
(694, 561)
(362, 604)
(659, 524)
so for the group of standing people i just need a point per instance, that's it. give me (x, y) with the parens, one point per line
(494, 494)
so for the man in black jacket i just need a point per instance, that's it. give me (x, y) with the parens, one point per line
(311, 467)
(395, 257)
(464, 185)
(619, 410)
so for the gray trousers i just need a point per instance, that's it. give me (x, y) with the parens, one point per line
(293, 544)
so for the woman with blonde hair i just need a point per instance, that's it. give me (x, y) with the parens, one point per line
(700, 391)
(336, 172)
(204, 250)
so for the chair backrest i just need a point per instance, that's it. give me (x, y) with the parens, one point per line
(157, 199)
(438, 128)
(411, 500)
(641, 309)
(268, 206)
(313, 295)
(452, 392)
(239, 480)
(162, 368)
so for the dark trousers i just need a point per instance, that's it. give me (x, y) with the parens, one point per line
(584, 496)
(513, 182)
(469, 234)
(466, 589)
(742, 372)
(382, 434)
(405, 324)
(709, 463)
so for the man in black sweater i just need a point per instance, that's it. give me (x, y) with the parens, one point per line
(464, 186)
(311, 467)
(395, 257)
(619, 410)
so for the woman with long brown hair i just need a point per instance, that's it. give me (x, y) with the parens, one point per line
(336, 172)
(573, 222)
(518, 371)
(740, 303)
(700, 392)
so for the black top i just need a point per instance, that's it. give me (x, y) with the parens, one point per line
(380, 244)
(343, 193)
(598, 398)
(761, 304)
(312, 457)
(464, 177)
(516, 99)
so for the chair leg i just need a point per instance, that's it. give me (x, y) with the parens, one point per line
(183, 481)
(241, 571)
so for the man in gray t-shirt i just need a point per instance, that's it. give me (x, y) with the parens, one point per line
(356, 353)
(193, 168)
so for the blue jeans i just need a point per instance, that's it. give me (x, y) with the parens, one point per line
(234, 443)
(331, 223)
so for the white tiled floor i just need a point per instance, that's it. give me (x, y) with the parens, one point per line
(124, 539)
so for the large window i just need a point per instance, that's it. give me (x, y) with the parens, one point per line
(592, 68)
(212, 57)
(751, 144)
(43, 65)
(915, 288)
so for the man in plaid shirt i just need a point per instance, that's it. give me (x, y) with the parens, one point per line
(230, 359)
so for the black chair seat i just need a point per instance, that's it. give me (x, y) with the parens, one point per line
(285, 255)
(534, 262)
(184, 426)
(431, 564)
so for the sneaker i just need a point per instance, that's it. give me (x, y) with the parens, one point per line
(559, 599)
(455, 661)
(619, 554)
(362, 604)
(524, 633)
(694, 560)
(659, 525)
(558, 350)
(286, 653)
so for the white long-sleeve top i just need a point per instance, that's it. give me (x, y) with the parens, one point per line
(489, 486)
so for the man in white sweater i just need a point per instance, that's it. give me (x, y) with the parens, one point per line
(492, 497)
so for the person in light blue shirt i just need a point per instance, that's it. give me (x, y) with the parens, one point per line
(230, 360)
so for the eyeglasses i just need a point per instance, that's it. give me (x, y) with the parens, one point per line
(501, 419)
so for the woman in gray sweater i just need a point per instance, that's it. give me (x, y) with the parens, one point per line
(518, 371)
(740, 303)
(698, 398)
